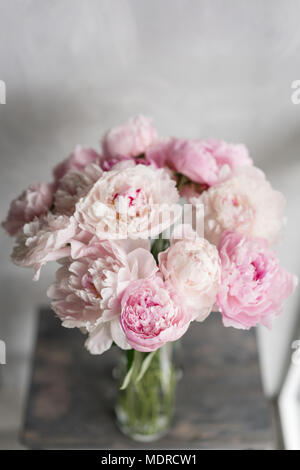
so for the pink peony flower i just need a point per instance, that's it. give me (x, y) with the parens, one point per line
(186, 157)
(192, 266)
(158, 153)
(206, 162)
(33, 202)
(245, 203)
(74, 185)
(151, 314)
(130, 139)
(42, 240)
(79, 158)
(253, 284)
(131, 202)
(87, 290)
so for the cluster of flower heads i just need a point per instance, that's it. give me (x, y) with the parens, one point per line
(100, 211)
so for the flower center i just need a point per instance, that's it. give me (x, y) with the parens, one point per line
(131, 202)
(259, 269)
(88, 283)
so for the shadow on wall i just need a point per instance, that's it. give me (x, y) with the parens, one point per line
(44, 118)
(282, 150)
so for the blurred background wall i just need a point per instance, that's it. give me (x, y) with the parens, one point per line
(200, 68)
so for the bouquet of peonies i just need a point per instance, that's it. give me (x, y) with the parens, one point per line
(121, 280)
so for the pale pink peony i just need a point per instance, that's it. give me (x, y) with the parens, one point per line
(245, 203)
(131, 139)
(152, 314)
(79, 158)
(206, 162)
(253, 284)
(33, 202)
(192, 266)
(74, 185)
(87, 290)
(131, 202)
(42, 240)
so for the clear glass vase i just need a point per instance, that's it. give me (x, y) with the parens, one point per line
(145, 408)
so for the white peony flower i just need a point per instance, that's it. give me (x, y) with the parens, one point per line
(129, 202)
(74, 185)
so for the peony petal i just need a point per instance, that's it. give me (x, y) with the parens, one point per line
(118, 335)
(99, 339)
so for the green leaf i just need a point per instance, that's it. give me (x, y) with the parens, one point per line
(182, 180)
(146, 363)
(130, 359)
(135, 368)
(160, 244)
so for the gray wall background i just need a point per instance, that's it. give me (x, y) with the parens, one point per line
(201, 68)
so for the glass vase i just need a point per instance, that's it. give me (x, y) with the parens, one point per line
(145, 408)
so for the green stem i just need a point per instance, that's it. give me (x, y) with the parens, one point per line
(145, 407)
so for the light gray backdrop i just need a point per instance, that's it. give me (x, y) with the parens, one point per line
(200, 68)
